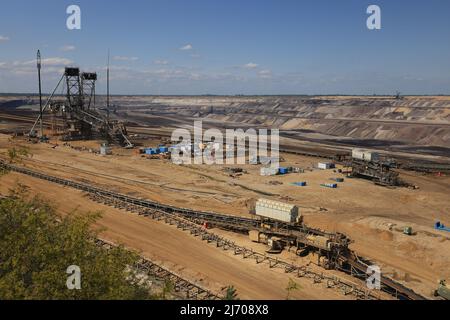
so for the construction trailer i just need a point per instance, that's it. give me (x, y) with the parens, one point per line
(325, 165)
(365, 155)
(367, 164)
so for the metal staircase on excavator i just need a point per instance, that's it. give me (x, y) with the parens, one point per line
(81, 120)
(113, 131)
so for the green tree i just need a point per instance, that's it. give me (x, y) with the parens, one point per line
(18, 154)
(292, 286)
(37, 247)
(167, 289)
(231, 293)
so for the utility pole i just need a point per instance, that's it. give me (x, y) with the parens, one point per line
(107, 89)
(40, 92)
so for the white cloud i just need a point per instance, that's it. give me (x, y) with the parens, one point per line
(56, 61)
(3, 38)
(30, 70)
(412, 78)
(50, 66)
(161, 62)
(170, 74)
(250, 65)
(116, 68)
(195, 76)
(123, 58)
(67, 48)
(187, 47)
(265, 74)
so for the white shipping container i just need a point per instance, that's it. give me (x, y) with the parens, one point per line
(277, 210)
(105, 151)
(324, 165)
(269, 171)
(365, 155)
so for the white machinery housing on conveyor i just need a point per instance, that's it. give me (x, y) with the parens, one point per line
(277, 210)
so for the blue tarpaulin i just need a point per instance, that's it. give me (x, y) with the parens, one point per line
(440, 226)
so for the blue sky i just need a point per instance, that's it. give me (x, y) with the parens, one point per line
(231, 46)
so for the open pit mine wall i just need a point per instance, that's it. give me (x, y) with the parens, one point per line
(410, 120)
(418, 120)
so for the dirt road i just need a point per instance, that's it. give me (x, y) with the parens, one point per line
(176, 249)
(373, 216)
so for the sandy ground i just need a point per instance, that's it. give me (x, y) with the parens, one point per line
(175, 249)
(370, 215)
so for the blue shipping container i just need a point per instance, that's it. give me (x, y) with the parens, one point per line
(151, 151)
(283, 170)
(440, 226)
(163, 149)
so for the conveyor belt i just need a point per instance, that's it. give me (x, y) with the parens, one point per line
(238, 223)
(388, 285)
(223, 220)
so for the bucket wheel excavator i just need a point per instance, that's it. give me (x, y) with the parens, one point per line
(81, 120)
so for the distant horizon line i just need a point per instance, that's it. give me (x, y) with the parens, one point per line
(242, 95)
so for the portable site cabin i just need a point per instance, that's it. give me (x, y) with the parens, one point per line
(325, 165)
(365, 155)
